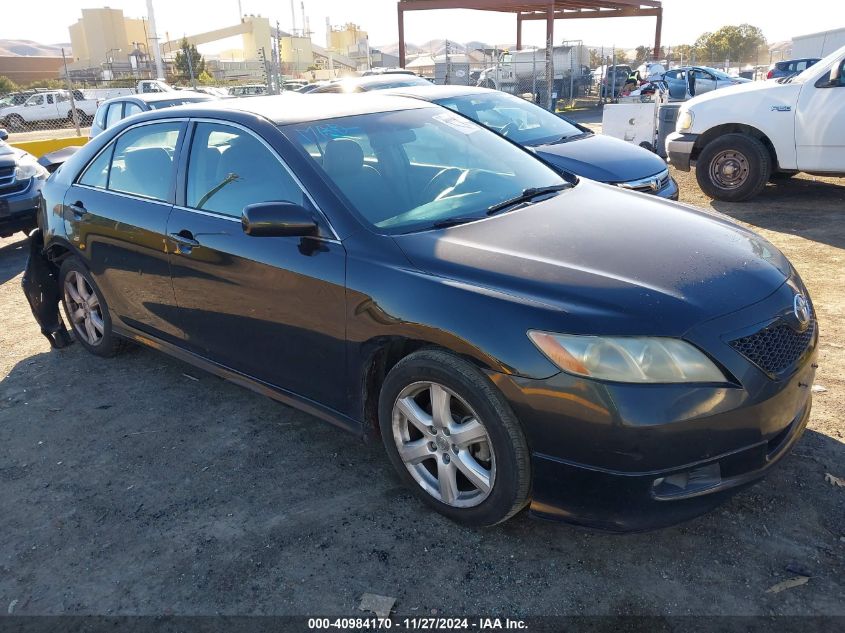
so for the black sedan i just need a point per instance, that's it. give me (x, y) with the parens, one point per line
(567, 146)
(392, 267)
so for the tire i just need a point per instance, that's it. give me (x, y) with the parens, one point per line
(502, 453)
(733, 168)
(80, 115)
(16, 123)
(107, 343)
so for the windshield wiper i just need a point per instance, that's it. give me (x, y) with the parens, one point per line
(442, 224)
(527, 195)
(572, 137)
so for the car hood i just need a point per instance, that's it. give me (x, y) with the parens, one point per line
(602, 158)
(9, 155)
(608, 260)
(750, 90)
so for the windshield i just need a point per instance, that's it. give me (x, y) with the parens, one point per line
(825, 62)
(157, 105)
(519, 120)
(414, 169)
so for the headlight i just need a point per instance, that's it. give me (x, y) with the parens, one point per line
(28, 167)
(685, 121)
(627, 358)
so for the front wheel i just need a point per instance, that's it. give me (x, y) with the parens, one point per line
(453, 438)
(733, 167)
(87, 311)
(16, 123)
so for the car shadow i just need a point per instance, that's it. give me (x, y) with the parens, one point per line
(13, 257)
(813, 209)
(175, 469)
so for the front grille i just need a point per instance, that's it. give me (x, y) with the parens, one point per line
(652, 184)
(13, 186)
(5, 172)
(775, 348)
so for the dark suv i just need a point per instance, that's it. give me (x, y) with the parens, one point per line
(21, 179)
(790, 67)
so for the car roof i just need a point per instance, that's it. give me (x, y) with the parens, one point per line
(433, 93)
(292, 107)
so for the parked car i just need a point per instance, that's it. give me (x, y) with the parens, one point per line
(696, 80)
(370, 83)
(312, 87)
(253, 90)
(567, 146)
(610, 79)
(21, 180)
(114, 110)
(739, 139)
(790, 67)
(50, 105)
(394, 268)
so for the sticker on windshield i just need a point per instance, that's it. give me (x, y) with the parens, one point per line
(457, 122)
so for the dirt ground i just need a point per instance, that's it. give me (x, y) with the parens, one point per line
(140, 485)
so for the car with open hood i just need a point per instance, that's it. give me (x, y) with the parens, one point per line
(21, 179)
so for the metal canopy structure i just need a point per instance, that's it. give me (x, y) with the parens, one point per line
(548, 10)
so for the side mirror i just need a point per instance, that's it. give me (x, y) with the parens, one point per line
(278, 219)
(4, 135)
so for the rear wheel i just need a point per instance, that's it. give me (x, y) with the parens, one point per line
(87, 311)
(733, 167)
(453, 438)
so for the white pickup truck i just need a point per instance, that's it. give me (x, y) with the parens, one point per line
(741, 137)
(53, 105)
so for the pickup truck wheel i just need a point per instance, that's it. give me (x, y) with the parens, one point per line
(733, 168)
(79, 114)
(16, 122)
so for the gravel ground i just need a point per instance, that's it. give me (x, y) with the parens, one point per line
(140, 485)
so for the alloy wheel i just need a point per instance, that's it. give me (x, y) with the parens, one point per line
(443, 444)
(84, 308)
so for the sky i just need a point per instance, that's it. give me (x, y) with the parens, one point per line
(683, 20)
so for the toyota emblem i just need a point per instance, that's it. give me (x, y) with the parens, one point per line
(801, 308)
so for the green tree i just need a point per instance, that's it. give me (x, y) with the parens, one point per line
(205, 78)
(6, 85)
(184, 67)
(736, 43)
(643, 53)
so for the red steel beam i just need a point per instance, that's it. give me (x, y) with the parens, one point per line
(582, 15)
(401, 35)
(657, 33)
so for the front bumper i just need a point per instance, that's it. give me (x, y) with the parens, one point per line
(679, 147)
(18, 209)
(627, 457)
(631, 502)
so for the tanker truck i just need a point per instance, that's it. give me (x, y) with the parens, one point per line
(524, 71)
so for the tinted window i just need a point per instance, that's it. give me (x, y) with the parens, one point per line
(230, 168)
(513, 117)
(114, 114)
(131, 108)
(143, 160)
(97, 172)
(37, 100)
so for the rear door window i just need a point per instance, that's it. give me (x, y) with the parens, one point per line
(131, 108)
(142, 163)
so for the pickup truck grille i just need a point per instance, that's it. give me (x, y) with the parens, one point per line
(652, 184)
(776, 348)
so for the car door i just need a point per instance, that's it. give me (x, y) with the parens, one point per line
(116, 212)
(268, 307)
(820, 123)
(704, 81)
(36, 108)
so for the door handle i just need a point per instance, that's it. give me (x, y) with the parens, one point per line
(78, 209)
(185, 240)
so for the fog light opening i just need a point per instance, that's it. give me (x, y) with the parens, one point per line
(688, 483)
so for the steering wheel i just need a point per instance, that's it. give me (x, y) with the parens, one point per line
(442, 181)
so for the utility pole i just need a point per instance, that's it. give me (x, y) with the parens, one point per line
(70, 91)
(154, 39)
